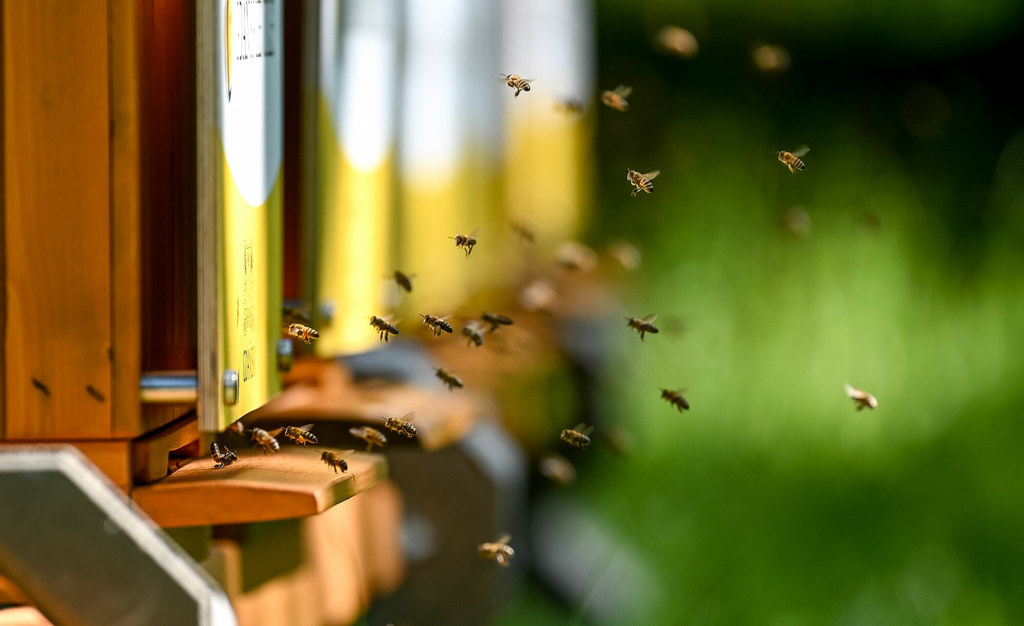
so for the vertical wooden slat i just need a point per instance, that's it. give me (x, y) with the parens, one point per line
(3, 248)
(125, 206)
(57, 212)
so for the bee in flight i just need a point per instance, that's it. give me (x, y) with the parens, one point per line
(641, 182)
(451, 380)
(404, 280)
(464, 241)
(558, 469)
(861, 399)
(643, 325)
(300, 434)
(371, 436)
(294, 314)
(401, 425)
(222, 455)
(569, 106)
(471, 332)
(616, 98)
(302, 333)
(792, 159)
(384, 327)
(437, 324)
(334, 461)
(517, 82)
(525, 232)
(676, 399)
(496, 320)
(498, 550)
(265, 440)
(577, 436)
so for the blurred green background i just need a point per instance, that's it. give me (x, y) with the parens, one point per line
(773, 501)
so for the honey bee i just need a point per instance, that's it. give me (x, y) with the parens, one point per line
(792, 159)
(438, 324)
(471, 332)
(626, 254)
(265, 440)
(498, 550)
(222, 455)
(334, 461)
(464, 241)
(643, 325)
(371, 436)
(576, 257)
(569, 106)
(861, 399)
(517, 82)
(525, 232)
(558, 469)
(616, 98)
(678, 41)
(302, 333)
(384, 327)
(451, 380)
(404, 280)
(676, 399)
(495, 320)
(641, 182)
(577, 436)
(237, 427)
(300, 434)
(401, 425)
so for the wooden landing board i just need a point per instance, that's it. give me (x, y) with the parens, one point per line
(258, 487)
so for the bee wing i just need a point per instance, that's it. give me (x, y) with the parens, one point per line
(306, 427)
(504, 538)
(275, 432)
(652, 175)
(476, 231)
(583, 428)
(852, 391)
(802, 150)
(623, 91)
(650, 318)
(409, 416)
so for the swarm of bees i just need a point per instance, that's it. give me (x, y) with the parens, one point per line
(641, 182)
(578, 436)
(861, 399)
(517, 82)
(437, 324)
(401, 425)
(371, 436)
(464, 241)
(676, 399)
(384, 327)
(498, 550)
(222, 455)
(301, 332)
(792, 159)
(616, 98)
(642, 326)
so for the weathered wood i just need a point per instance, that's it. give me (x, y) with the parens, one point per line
(257, 487)
(57, 211)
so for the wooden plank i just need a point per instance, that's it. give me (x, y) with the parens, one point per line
(150, 453)
(57, 210)
(125, 206)
(258, 487)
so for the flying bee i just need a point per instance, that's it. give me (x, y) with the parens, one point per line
(294, 314)
(577, 436)
(449, 379)
(471, 332)
(303, 333)
(498, 550)
(383, 326)
(495, 320)
(401, 425)
(222, 455)
(676, 399)
(265, 440)
(237, 427)
(334, 461)
(861, 399)
(792, 159)
(524, 231)
(300, 434)
(404, 280)
(517, 82)
(371, 436)
(616, 98)
(437, 324)
(464, 241)
(643, 325)
(576, 257)
(641, 182)
(569, 106)
(557, 468)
